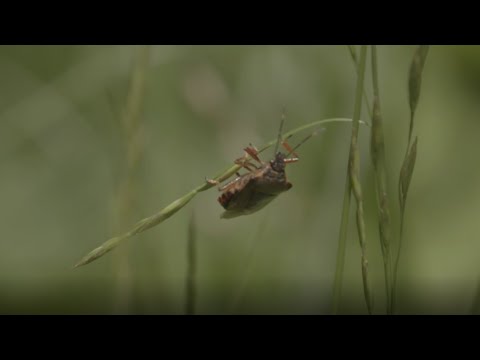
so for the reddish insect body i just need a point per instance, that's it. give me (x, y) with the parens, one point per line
(254, 190)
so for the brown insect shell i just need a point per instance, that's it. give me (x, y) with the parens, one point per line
(253, 191)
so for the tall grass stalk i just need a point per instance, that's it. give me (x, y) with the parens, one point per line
(353, 55)
(191, 290)
(338, 282)
(377, 150)
(354, 174)
(249, 267)
(353, 184)
(406, 172)
(133, 146)
(342, 240)
(475, 310)
(178, 204)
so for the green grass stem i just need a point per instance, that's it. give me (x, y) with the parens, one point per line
(179, 203)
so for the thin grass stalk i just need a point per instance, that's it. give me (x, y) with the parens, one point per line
(340, 264)
(353, 184)
(342, 239)
(133, 144)
(191, 291)
(406, 172)
(377, 150)
(248, 268)
(475, 309)
(353, 55)
(354, 174)
(178, 204)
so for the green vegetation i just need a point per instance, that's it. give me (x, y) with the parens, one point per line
(94, 139)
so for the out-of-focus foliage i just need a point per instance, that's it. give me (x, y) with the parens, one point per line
(62, 160)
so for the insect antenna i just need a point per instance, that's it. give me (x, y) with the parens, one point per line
(279, 139)
(303, 141)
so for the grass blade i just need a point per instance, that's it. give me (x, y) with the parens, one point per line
(475, 310)
(191, 269)
(250, 262)
(133, 145)
(406, 172)
(377, 151)
(415, 82)
(353, 55)
(178, 204)
(354, 173)
(353, 184)
(342, 239)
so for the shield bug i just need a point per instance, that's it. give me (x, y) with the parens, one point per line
(264, 181)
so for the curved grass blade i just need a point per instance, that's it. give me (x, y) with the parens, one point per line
(178, 204)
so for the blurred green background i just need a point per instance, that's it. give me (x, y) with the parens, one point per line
(62, 161)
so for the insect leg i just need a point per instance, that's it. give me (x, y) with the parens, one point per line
(253, 152)
(243, 162)
(224, 187)
(228, 185)
(291, 151)
(290, 160)
(289, 148)
(211, 181)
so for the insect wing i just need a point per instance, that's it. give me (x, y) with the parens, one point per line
(258, 205)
